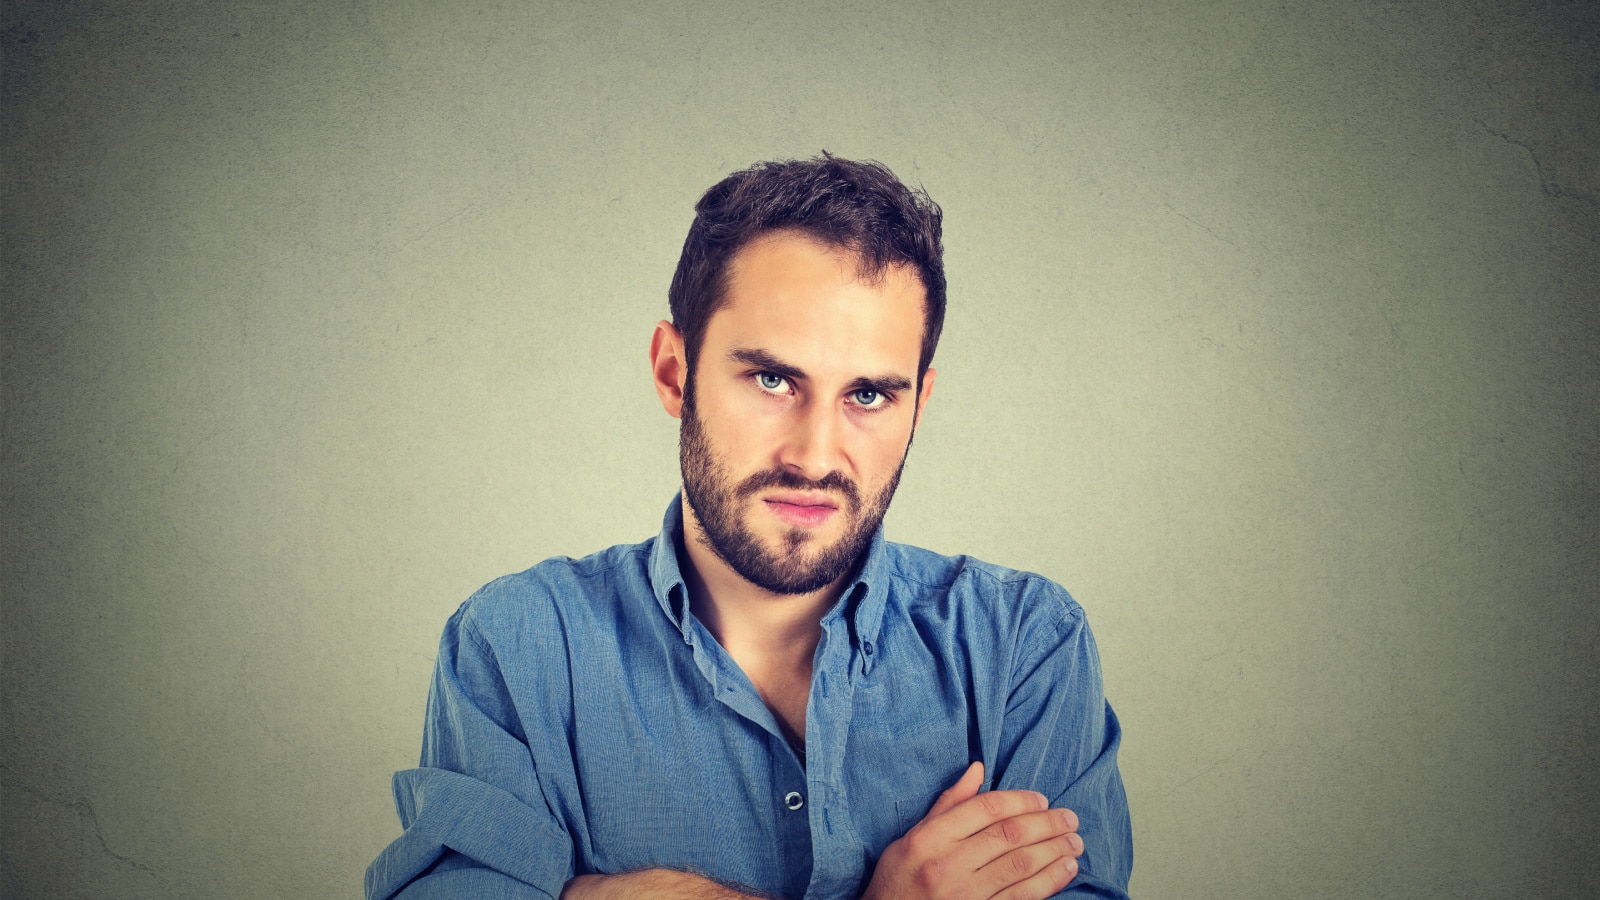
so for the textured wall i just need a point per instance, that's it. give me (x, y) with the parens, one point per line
(1273, 336)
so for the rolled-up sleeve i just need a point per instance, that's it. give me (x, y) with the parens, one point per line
(476, 821)
(1060, 738)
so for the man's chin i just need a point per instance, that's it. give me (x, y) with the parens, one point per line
(797, 550)
(783, 540)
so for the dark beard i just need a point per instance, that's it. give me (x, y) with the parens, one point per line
(716, 503)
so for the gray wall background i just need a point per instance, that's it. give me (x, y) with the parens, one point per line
(1273, 337)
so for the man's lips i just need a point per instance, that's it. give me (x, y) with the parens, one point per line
(801, 510)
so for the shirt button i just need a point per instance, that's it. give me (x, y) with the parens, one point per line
(867, 648)
(793, 800)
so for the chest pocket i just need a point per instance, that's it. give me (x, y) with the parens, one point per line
(906, 746)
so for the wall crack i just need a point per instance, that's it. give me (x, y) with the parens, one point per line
(1547, 185)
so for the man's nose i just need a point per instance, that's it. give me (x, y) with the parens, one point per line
(812, 450)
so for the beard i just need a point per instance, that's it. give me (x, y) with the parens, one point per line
(797, 566)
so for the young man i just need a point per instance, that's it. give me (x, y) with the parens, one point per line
(768, 698)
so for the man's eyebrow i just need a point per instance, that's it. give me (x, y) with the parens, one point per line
(883, 384)
(766, 362)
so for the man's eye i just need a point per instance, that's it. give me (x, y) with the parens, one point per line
(868, 399)
(771, 382)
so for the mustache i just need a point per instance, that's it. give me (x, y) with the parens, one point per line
(783, 478)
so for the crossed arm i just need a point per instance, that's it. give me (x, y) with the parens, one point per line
(1006, 845)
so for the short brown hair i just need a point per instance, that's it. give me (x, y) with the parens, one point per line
(857, 206)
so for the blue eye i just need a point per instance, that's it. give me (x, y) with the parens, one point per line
(868, 399)
(770, 382)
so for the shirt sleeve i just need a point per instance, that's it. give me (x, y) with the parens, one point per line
(1060, 738)
(476, 821)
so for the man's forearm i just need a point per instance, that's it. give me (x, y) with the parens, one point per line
(651, 884)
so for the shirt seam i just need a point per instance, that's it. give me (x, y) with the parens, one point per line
(474, 633)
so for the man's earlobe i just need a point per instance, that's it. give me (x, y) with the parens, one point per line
(669, 367)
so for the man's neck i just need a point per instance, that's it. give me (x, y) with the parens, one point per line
(749, 621)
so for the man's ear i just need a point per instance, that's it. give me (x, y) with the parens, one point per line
(670, 367)
(923, 395)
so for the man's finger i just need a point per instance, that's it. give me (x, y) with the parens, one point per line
(1025, 862)
(1043, 883)
(965, 788)
(1025, 830)
(974, 814)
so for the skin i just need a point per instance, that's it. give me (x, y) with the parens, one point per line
(810, 370)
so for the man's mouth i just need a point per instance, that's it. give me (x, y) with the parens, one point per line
(801, 510)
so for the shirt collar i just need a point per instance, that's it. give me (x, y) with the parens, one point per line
(665, 576)
(863, 599)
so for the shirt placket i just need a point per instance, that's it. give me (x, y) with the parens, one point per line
(836, 849)
(789, 800)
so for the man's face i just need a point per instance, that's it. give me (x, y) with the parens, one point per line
(799, 414)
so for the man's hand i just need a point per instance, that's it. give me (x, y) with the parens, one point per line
(1002, 844)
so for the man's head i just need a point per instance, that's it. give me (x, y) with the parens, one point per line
(858, 207)
(806, 307)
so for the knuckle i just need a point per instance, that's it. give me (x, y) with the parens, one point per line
(1018, 866)
(1009, 831)
(991, 804)
(933, 873)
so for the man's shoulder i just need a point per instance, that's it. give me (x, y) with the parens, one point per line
(927, 576)
(555, 590)
(940, 571)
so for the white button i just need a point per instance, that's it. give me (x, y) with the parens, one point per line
(793, 800)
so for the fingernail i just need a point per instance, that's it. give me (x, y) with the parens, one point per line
(1044, 802)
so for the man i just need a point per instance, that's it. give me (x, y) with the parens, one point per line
(768, 698)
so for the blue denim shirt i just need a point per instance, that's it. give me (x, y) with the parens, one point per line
(581, 719)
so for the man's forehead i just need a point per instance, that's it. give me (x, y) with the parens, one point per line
(792, 295)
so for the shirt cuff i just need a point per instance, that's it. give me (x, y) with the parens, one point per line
(441, 809)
